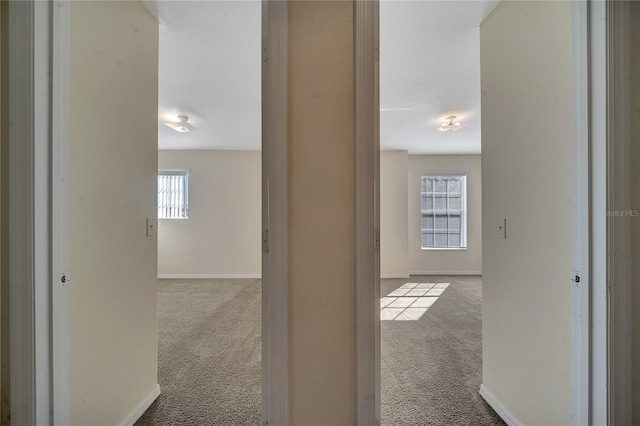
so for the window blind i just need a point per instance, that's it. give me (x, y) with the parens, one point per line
(173, 195)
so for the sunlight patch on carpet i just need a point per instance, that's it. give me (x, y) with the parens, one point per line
(411, 301)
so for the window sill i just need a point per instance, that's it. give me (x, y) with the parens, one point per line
(443, 248)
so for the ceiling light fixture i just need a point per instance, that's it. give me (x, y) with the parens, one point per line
(182, 125)
(450, 124)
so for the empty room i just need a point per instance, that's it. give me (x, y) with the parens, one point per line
(209, 213)
(431, 213)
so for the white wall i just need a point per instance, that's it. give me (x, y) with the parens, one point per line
(222, 235)
(112, 190)
(394, 245)
(467, 261)
(527, 179)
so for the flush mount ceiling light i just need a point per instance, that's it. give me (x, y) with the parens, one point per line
(182, 125)
(450, 124)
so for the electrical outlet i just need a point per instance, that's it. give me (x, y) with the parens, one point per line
(151, 227)
(502, 229)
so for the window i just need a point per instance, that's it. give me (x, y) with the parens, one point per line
(173, 195)
(444, 212)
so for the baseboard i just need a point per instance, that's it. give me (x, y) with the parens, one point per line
(446, 272)
(390, 276)
(208, 276)
(506, 415)
(142, 407)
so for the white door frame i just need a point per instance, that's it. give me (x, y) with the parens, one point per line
(60, 212)
(590, 310)
(38, 259)
(589, 291)
(581, 216)
(597, 175)
(367, 213)
(275, 330)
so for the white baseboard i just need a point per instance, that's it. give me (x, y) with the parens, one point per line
(389, 276)
(142, 407)
(445, 272)
(208, 276)
(506, 415)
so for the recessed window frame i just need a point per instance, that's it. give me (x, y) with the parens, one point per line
(181, 192)
(463, 211)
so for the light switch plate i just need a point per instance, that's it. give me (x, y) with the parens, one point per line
(502, 228)
(151, 227)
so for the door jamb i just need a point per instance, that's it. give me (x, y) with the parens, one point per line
(598, 297)
(367, 210)
(275, 360)
(588, 367)
(60, 211)
(37, 139)
(581, 346)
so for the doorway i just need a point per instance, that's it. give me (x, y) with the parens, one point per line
(521, 168)
(209, 213)
(431, 213)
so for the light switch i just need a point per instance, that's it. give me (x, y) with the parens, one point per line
(151, 227)
(502, 228)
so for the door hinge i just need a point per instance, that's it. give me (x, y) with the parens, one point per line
(376, 241)
(265, 51)
(265, 241)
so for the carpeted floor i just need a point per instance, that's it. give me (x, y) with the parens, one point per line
(432, 366)
(209, 354)
(209, 367)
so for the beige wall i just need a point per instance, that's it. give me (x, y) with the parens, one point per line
(467, 261)
(112, 190)
(321, 214)
(527, 179)
(222, 234)
(400, 253)
(634, 168)
(394, 246)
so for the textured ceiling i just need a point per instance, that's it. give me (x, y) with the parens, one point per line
(429, 69)
(209, 70)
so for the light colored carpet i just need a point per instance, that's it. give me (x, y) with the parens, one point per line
(209, 356)
(432, 367)
(209, 353)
